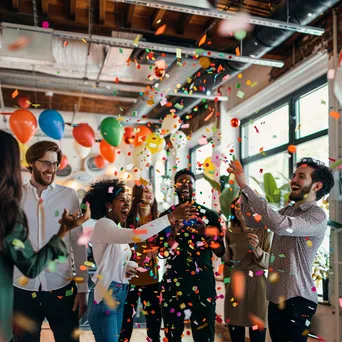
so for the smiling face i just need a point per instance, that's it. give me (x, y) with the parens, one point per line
(147, 196)
(120, 207)
(185, 187)
(44, 169)
(302, 186)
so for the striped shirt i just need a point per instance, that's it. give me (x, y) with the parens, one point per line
(298, 233)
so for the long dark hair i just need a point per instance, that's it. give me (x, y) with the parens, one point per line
(10, 187)
(133, 216)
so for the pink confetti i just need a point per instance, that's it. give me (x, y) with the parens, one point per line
(141, 269)
(110, 189)
(238, 23)
(202, 141)
(45, 24)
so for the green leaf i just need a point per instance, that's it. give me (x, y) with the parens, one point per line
(270, 185)
(214, 184)
(285, 187)
(270, 199)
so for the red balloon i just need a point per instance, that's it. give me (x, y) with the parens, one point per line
(235, 122)
(23, 124)
(141, 136)
(24, 102)
(64, 163)
(84, 135)
(108, 151)
(129, 135)
(100, 162)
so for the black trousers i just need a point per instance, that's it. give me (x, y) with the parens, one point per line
(238, 334)
(55, 305)
(200, 305)
(293, 322)
(149, 296)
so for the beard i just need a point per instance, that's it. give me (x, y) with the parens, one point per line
(299, 195)
(38, 176)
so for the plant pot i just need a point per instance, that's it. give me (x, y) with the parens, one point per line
(326, 289)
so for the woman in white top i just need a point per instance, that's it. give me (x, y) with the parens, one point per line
(110, 204)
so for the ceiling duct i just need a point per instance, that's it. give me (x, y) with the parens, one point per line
(262, 40)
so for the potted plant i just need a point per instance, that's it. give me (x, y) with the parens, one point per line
(320, 272)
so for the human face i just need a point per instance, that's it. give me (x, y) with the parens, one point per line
(147, 197)
(44, 169)
(185, 187)
(302, 185)
(120, 207)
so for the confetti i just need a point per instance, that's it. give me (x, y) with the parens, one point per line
(237, 52)
(84, 41)
(136, 40)
(15, 93)
(160, 30)
(238, 285)
(335, 115)
(18, 244)
(202, 40)
(178, 53)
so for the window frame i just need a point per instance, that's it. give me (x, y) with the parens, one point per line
(291, 100)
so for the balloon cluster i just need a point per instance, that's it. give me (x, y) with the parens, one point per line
(146, 144)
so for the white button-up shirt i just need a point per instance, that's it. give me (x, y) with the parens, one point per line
(42, 215)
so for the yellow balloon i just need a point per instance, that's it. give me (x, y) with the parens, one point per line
(155, 142)
(23, 148)
(208, 168)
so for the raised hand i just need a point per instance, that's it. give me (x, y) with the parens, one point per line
(236, 168)
(71, 221)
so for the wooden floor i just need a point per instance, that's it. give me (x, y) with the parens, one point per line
(139, 335)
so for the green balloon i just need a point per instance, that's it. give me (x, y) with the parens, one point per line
(112, 131)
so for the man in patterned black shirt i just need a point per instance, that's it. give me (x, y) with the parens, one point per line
(188, 286)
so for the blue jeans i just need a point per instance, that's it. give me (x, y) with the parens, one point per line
(106, 322)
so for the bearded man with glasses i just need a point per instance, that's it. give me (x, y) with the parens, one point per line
(53, 294)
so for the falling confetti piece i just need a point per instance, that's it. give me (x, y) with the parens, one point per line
(136, 40)
(331, 74)
(209, 116)
(237, 52)
(292, 149)
(84, 41)
(45, 24)
(160, 30)
(202, 40)
(15, 93)
(178, 53)
(238, 285)
(336, 164)
(335, 115)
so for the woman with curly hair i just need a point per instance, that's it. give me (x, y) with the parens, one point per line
(145, 284)
(110, 204)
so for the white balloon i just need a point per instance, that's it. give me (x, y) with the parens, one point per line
(81, 151)
(158, 157)
(171, 124)
(178, 139)
(141, 156)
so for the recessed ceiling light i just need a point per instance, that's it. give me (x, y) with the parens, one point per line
(309, 14)
(49, 93)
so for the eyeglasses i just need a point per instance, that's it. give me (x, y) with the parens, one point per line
(47, 164)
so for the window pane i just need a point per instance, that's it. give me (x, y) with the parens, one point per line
(312, 112)
(203, 192)
(317, 148)
(267, 132)
(199, 155)
(277, 165)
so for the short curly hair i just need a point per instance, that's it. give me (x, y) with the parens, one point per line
(184, 172)
(100, 193)
(321, 173)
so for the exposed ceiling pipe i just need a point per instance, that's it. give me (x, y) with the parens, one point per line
(74, 93)
(213, 13)
(261, 41)
(128, 43)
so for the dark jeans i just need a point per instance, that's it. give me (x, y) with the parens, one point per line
(238, 334)
(149, 295)
(55, 305)
(289, 324)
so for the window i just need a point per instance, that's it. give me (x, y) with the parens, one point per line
(268, 131)
(312, 110)
(198, 154)
(317, 148)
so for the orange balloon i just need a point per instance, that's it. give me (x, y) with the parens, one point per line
(141, 136)
(292, 148)
(64, 163)
(84, 135)
(23, 125)
(108, 151)
(100, 162)
(24, 102)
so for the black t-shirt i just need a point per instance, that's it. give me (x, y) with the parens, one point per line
(193, 254)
